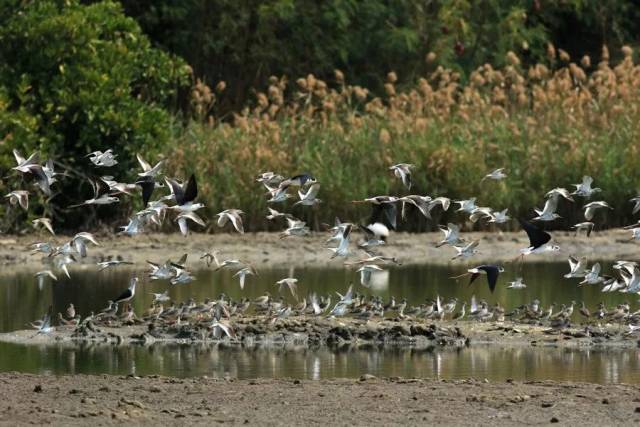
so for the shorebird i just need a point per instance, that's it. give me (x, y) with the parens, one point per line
(499, 217)
(518, 283)
(444, 202)
(20, 197)
(402, 171)
(44, 325)
(41, 275)
(233, 216)
(182, 277)
(103, 265)
(593, 277)
(366, 271)
(117, 187)
(549, 211)
(184, 194)
(420, 202)
(466, 251)
(218, 327)
(467, 206)
(147, 170)
(451, 235)
(41, 247)
(590, 208)
(62, 260)
(270, 178)
(30, 166)
(584, 188)
(496, 175)
(310, 197)
(492, 272)
(588, 226)
(44, 222)
(343, 247)
(636, 205)
(291, 283)
(103, 159)
(278, 194)
(481, 212)
(182, 218)
(295, 228)
(77, 245)
(299, 180)
(161, 297)
(129, 293)
(273, 214)
(71, 311)
(559, 192)
(577, 267)
(538, 240)
(101, 195)
(241, 274)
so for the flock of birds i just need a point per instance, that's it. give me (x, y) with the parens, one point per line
(385, 210)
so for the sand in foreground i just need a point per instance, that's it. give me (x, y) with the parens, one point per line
(110, 400)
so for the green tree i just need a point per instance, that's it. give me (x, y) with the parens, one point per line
(77, 78)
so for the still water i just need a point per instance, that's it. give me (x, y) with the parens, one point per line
(22, 301)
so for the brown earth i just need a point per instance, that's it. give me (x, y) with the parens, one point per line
(111, 400)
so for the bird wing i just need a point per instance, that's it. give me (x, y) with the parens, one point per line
(191, 189)
(236, 220)
(492, 275)
(596, 269)
(176, 190)
(145, 166)
(550, 206)
(573, 263)
(147, 184)
(537, 237)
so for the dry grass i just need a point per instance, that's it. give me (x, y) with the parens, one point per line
(548, 125)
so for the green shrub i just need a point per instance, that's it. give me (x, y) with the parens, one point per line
(78, 78)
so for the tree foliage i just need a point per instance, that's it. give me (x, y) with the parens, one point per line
(77, 78)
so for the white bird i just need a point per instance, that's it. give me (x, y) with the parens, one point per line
(31, 166)
(518, 283)
(41, 275)
(468, 205)
(289, 282)
(232, 215)
(590, 208)
(402, 171)
(310, 197)
(243, 273)
(451, 235)
(466, 251)
(444, 202)
(273, 214)
(588, 226)
(147, 170)
(103, 265)
(343, 246)
(420, 202)
(20, 197)
(44, 222)
(61, 262)
(184, 194)
(295, 228)
(500, 217)
(161, 297)
(559, 192)
(278, 194)
(104, 159)
(270, 178)
(496, 175)
(636, 206)
(182, 277)
(593, 277)
(577, 267)
(366, 271)
(182, 221)
(549, 211)
(584, 188)
(218, 327)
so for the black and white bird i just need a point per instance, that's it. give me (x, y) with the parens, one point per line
(492, 272)
(298, 180)
(101, 195)
(310, 197)
(184, 194)
(538, 240)
(103, 159)
(129, 293)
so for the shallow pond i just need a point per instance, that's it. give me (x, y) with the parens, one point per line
(22, 301)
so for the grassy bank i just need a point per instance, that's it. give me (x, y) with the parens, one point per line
(548, 125)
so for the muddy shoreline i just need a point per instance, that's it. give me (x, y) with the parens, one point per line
(305, 332)
(151, 400)
(268, 250)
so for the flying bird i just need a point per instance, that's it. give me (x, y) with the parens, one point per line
(402, 171)
(492, 272)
